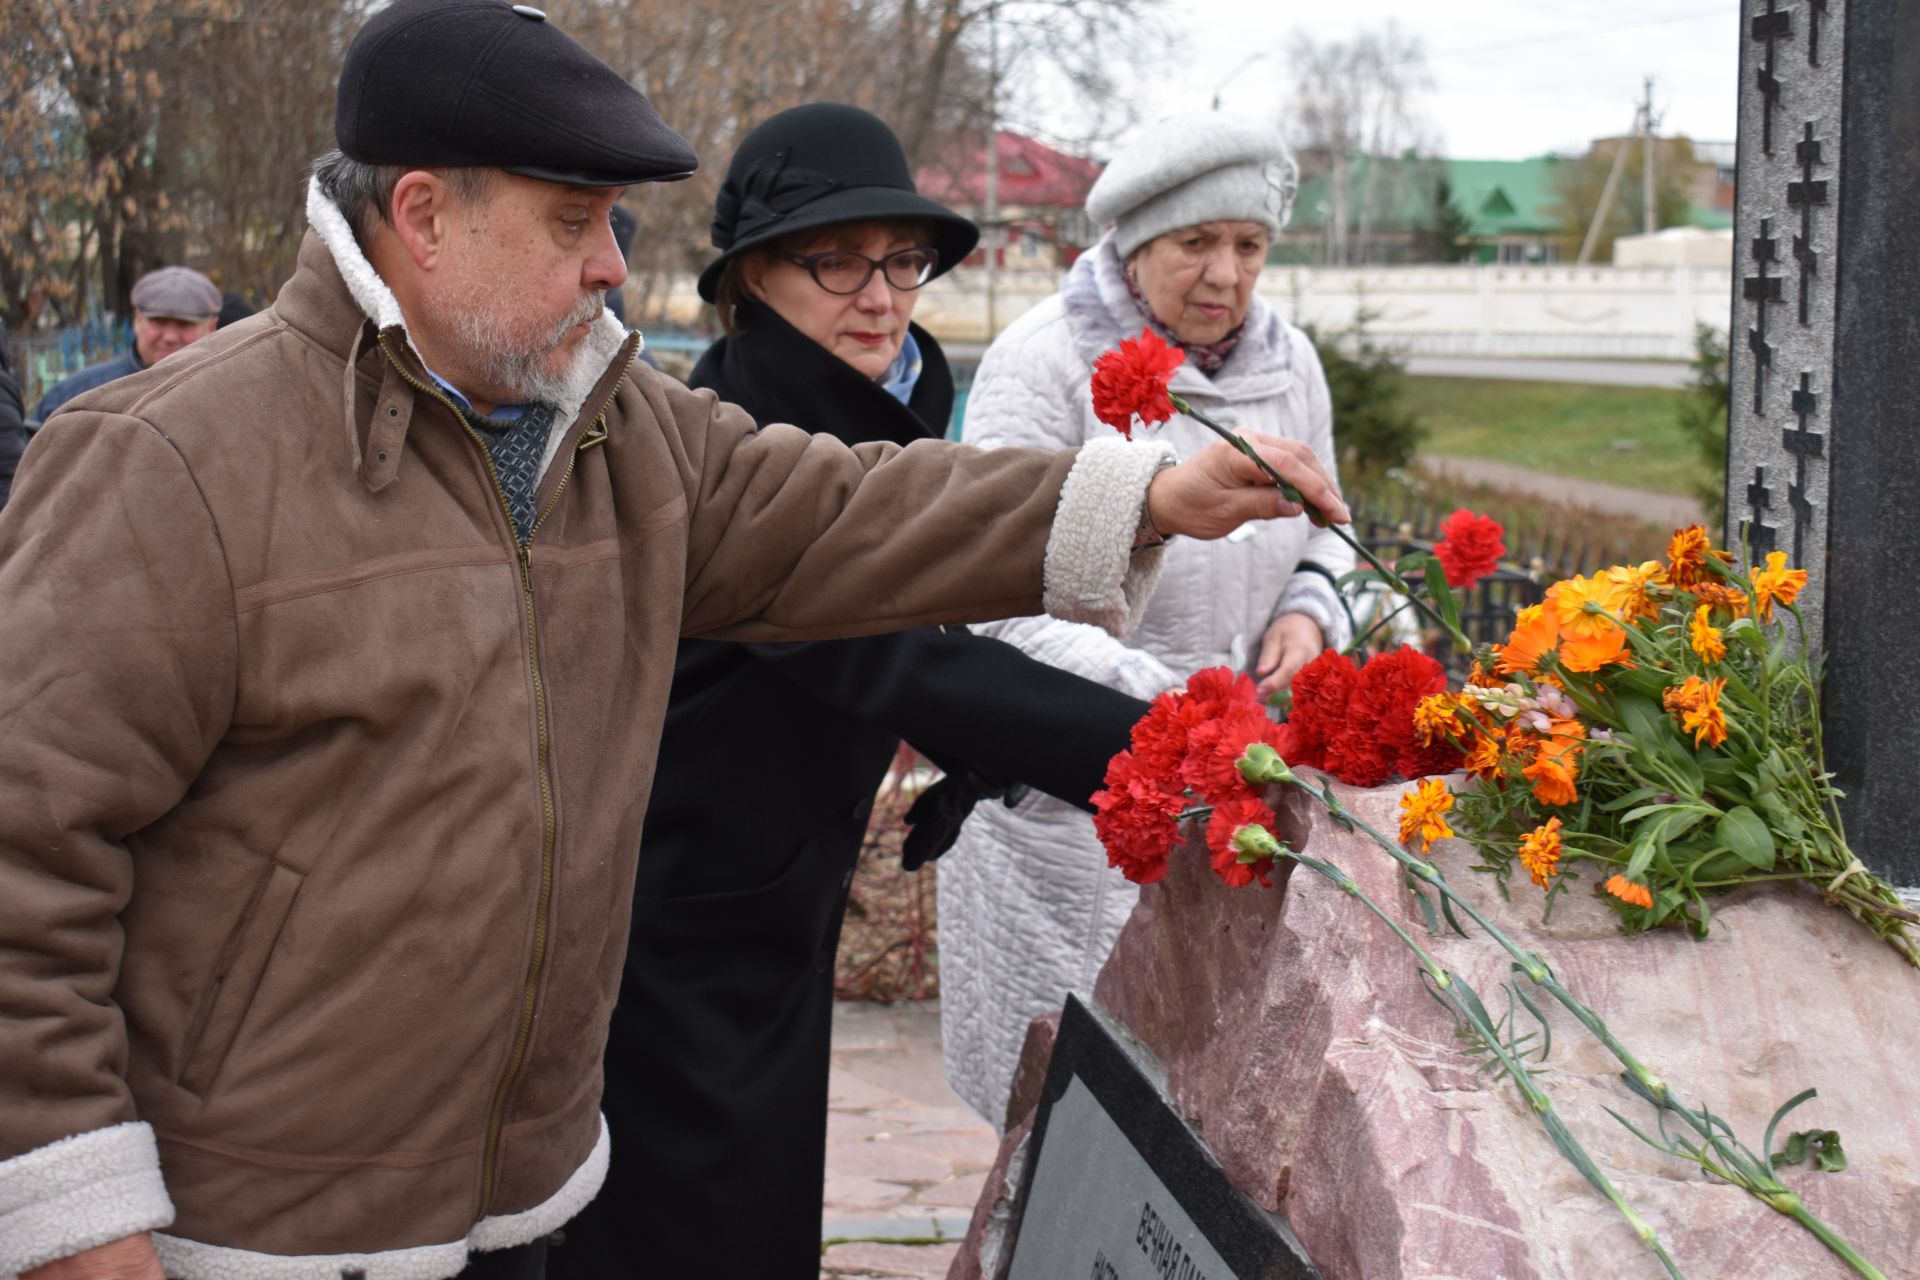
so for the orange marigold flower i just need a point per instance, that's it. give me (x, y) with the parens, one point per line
(1585, 607)
(1696, 702)
(1483, 757)
(1776, 582)
(1705, 636)
(1535, 633)
(1540, 851)
(1557, 765)
(1635, 895)
(1590, 653)
(1438, 715)
(1687, 553)
(1485, 671)
(1422, 811)
(1635, 585)
(1723, 596)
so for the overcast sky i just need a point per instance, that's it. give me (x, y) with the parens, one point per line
(1512, 78)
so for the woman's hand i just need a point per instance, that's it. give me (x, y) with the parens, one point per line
(128, 1258)
(1292, 641)
(1219, 489)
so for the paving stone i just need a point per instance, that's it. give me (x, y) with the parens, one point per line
(844, 1125)
(888, 1261)
(846, 1191)
(968, 1150)
(960, 1192)
(887, 1161)
(848, 1092)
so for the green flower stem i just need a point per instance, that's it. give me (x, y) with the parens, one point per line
(1737, 1165)
(1825, 1235)
(1466, 1005)
(1292, 494)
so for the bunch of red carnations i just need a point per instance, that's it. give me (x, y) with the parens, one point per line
(1184, 763)
(1356, 722)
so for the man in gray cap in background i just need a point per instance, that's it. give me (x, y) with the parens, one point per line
(173, 307)
(337, 653)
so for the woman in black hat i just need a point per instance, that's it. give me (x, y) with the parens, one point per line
(716, 1067)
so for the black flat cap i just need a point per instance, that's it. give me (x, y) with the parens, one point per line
(484, 83)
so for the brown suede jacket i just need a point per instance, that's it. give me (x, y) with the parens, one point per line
(319, 797)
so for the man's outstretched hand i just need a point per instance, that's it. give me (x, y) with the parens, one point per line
(1219, 489)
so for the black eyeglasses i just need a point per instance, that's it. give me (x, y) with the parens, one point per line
(844, 272)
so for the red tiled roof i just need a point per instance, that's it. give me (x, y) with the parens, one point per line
(1032, 174)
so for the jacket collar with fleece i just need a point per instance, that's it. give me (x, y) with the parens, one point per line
(602, 350)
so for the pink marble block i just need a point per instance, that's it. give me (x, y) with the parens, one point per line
(1297, 1037)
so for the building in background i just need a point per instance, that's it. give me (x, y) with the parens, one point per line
(1042, 194)
(1531, 212)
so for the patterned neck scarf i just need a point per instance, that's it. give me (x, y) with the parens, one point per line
(516, 445)
(1206, 357)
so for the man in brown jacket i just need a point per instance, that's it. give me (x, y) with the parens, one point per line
(336, 654)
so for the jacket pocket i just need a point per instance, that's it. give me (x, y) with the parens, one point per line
(236, 977)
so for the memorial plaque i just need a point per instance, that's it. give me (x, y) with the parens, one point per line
(1119, 1187)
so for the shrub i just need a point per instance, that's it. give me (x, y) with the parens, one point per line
(1374, 430)
(1703, 418)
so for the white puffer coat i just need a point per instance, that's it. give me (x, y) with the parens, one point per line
(1028, 906)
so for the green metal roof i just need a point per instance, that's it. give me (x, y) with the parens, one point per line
(1500, 197)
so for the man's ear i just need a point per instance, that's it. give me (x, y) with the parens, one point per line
(421, 213)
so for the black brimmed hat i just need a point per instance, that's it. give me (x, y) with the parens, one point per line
(484, 83)
(815, 166)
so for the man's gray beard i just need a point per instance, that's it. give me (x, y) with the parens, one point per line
(510, 367)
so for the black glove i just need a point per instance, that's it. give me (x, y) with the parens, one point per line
(935, 819)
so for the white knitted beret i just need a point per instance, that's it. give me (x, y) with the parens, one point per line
(1204, 166)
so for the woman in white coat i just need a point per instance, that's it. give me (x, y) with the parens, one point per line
(1028, 906)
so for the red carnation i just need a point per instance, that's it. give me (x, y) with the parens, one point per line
(1159, 738)
(1131, 382)
(1319, 709)
(1229, 817)
(1214, 750)
(1217, 689)
(1392, 685)
(1136, 819)
(1357, 759)
(1470, 547)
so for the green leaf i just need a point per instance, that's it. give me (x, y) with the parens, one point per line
(1643, 851)
(1822, 1144)
(1766, 1143)
(1743, 832)
(1639, 795)
(1640, 680)
(1747, 632)
(1443, 600)
(1720, 770)
(1645, 719)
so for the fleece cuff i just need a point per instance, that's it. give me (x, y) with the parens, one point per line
(1092, 573)
(79, 1192)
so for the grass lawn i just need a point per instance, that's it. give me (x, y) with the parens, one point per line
(1617, 435)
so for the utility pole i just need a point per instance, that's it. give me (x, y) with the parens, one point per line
(992, 213)
(1643, 127)
(1648, 221)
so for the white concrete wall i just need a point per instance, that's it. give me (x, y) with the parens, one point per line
(1556, 311)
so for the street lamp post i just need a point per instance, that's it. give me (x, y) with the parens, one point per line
(1234, 75)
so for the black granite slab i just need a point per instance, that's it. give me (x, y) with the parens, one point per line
(1117, 1186)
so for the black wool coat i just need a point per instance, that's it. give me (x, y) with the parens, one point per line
(716, 1064)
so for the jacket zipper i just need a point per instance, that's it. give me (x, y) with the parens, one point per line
(496, 1113)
